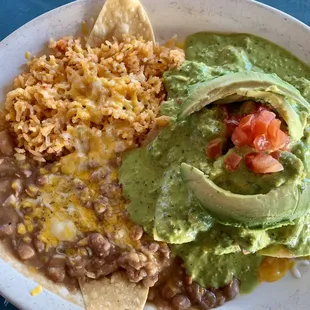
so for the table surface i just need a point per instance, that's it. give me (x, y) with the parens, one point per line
(25, 10)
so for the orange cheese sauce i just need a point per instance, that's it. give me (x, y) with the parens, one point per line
(58, 207)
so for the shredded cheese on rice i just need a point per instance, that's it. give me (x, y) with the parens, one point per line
(119, 83)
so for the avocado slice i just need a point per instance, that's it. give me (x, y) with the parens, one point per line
(249, 85)
(285, 203)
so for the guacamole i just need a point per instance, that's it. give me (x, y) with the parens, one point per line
(164, 201)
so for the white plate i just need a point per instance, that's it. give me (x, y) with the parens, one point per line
(168, 17)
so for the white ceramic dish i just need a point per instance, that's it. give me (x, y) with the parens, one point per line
(168, 17)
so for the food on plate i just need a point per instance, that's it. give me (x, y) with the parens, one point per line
(119, 17)
(225, 183)
(69, 124)
(138, 172)
(114, 293)
(37, 290)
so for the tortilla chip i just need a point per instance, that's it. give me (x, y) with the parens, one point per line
(116, 293)
(120, 17)
(277, 250)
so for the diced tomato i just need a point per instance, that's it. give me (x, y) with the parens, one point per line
(263, 163)
(248, 158)
(232, 123)
(232, 161)
(214, 148)
(241, 137)
(280, 140)
(260, 129)
(261, 122)
(246, 122)
(273, 127)
(286, 146)
(261, 143)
